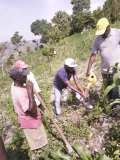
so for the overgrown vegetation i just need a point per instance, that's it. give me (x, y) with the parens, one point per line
(78, 131)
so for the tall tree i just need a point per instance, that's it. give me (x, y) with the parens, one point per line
(81, 17)
(111, 10)
(80, 5)
(62, 21)
(82, 20)
(77, 24)
(41, 27)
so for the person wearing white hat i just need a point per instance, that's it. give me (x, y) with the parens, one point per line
(61, 81)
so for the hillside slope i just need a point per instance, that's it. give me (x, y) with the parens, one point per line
(76, 126)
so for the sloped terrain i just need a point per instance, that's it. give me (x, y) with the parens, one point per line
(91, 129)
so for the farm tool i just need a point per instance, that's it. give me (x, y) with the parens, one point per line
(67, 144)
(70, 149)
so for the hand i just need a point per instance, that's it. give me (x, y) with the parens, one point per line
(82, 94)
(29, 86)
(87, 74)
(86, 93)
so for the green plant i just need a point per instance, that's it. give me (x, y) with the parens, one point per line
(82, 152)
(17, 150)
(59, 155)
(115, 86)
(112, 143)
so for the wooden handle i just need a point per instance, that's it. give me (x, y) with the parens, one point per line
(69, 148)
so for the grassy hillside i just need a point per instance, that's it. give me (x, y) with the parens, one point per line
(76, 46)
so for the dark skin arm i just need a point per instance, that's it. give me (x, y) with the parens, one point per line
(92, 60)
(32, 104)
(76, 81)
(73, 88)
(29, 87)
(31, 93)
(42, 104)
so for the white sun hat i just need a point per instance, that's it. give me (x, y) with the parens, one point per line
(70, 62)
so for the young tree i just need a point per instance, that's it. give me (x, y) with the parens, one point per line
(16, 38)
(55, 34)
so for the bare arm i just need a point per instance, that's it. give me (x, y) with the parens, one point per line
(29, 87)
(42, 103)
(32, 104)
(92, 59)
(73, 88)
(76, 81)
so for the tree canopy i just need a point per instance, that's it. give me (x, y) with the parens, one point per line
(16, 38)
(82, 18)
(41, 27)
(111, 10)
(62, 21)
(80, 5)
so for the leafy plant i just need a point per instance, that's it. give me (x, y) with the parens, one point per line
(115, 86)
(82, 152)
(112, 143)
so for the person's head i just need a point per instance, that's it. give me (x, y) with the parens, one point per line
(19, 64)
(18, 75)
(103, 27)
(70, 64)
